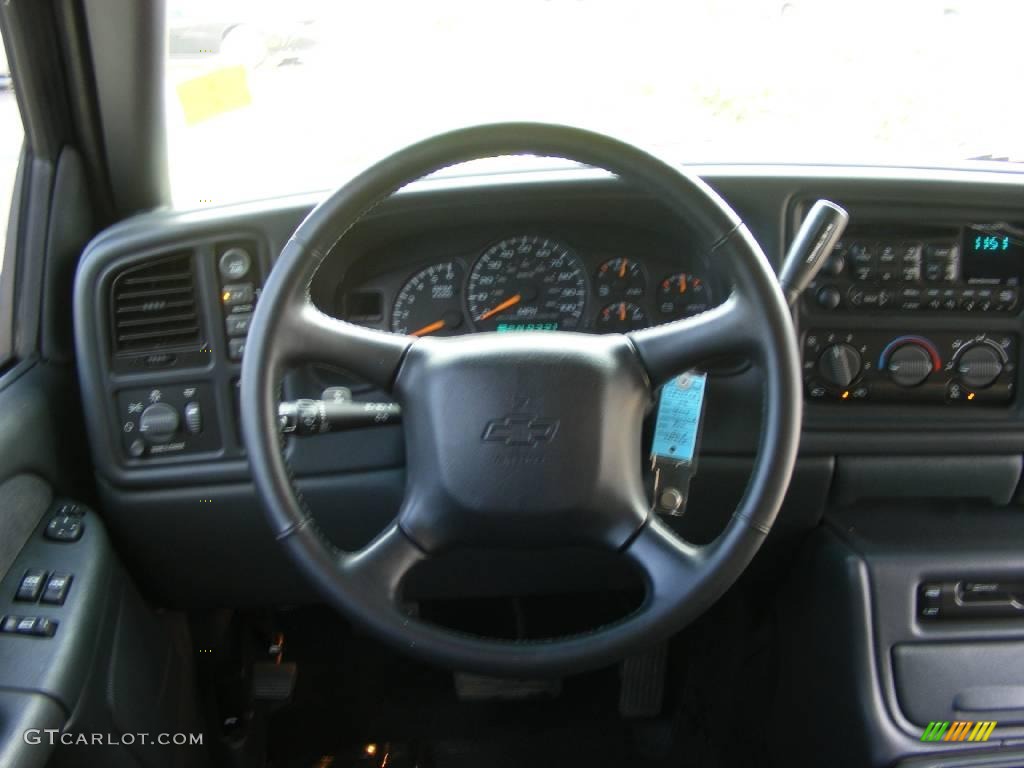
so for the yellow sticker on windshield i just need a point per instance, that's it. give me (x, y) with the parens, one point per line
(214, 94)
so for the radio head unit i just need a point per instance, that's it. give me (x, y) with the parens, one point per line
(969, 268)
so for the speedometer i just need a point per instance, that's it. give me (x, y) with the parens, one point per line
(527, 283)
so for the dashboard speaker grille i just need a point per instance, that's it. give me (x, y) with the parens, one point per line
(154, 306)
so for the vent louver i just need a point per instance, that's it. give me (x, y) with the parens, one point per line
(154, 306)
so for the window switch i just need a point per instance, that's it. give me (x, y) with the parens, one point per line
(57, 587)
(30, 587)
(65, 528)
(10, 624)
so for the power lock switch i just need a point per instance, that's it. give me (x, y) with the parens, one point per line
(37, 626)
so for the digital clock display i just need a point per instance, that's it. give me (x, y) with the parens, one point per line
(993, 255)
(991, 243)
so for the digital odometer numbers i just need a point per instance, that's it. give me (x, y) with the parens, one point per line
(430, 302)
(527, 281)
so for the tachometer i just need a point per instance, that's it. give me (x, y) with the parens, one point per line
(430, 302)
(527, 283)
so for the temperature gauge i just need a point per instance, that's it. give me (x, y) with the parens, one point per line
(683, 294)
(621, 317)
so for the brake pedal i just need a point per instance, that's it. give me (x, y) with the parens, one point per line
(482, 688)
(272, 681)
(643, 682)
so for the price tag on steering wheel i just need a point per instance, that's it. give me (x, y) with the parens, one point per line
(676, 440)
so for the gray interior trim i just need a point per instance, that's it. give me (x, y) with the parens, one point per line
(23, 500)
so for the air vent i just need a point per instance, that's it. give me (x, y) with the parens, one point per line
(154, 307)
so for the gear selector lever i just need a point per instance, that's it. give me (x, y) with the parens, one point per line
(814, 241)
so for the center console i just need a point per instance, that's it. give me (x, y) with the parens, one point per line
(916, 311)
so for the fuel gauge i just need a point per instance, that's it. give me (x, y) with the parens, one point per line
(683, 294)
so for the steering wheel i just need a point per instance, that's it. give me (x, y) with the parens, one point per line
(585, 397)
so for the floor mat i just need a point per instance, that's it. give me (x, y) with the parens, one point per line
(353, 693)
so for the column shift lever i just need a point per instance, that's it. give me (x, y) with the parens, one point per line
(818, 234)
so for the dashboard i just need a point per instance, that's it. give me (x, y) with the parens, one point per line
(591, 279)
(910, 341)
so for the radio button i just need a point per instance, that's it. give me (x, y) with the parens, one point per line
(910, 253)
(836, 262)
(910, 273)
(829, 297)
(861, 255)
(910, 299)
(984, 299)
(864, 274)
(1006, 299)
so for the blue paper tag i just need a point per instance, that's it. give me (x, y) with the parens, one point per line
(679, 413)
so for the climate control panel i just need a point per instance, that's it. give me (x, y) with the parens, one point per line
(881, 366)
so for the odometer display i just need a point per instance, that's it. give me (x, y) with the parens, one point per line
(527, 281)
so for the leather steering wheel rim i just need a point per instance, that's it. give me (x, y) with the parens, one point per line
(682, 579)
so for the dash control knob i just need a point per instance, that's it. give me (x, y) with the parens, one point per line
(979, 366)
(159, 422)
(839, 365)
(829, 297)
(909, 365)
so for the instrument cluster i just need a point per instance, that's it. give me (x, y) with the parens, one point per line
(534, 282)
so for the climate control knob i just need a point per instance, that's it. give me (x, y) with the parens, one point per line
(839, 365)
(909, 365)
(979, 365)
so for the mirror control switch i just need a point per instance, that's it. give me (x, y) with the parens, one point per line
(64, 528)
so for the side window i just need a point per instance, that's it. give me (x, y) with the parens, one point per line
(11, 136)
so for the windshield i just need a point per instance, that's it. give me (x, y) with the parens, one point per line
(265, 99)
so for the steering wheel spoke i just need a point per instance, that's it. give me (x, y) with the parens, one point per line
(379, 568)
(671, 565)
(314, 337)
(667, 350)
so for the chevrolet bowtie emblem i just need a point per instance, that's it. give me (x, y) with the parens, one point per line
(520, 429)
